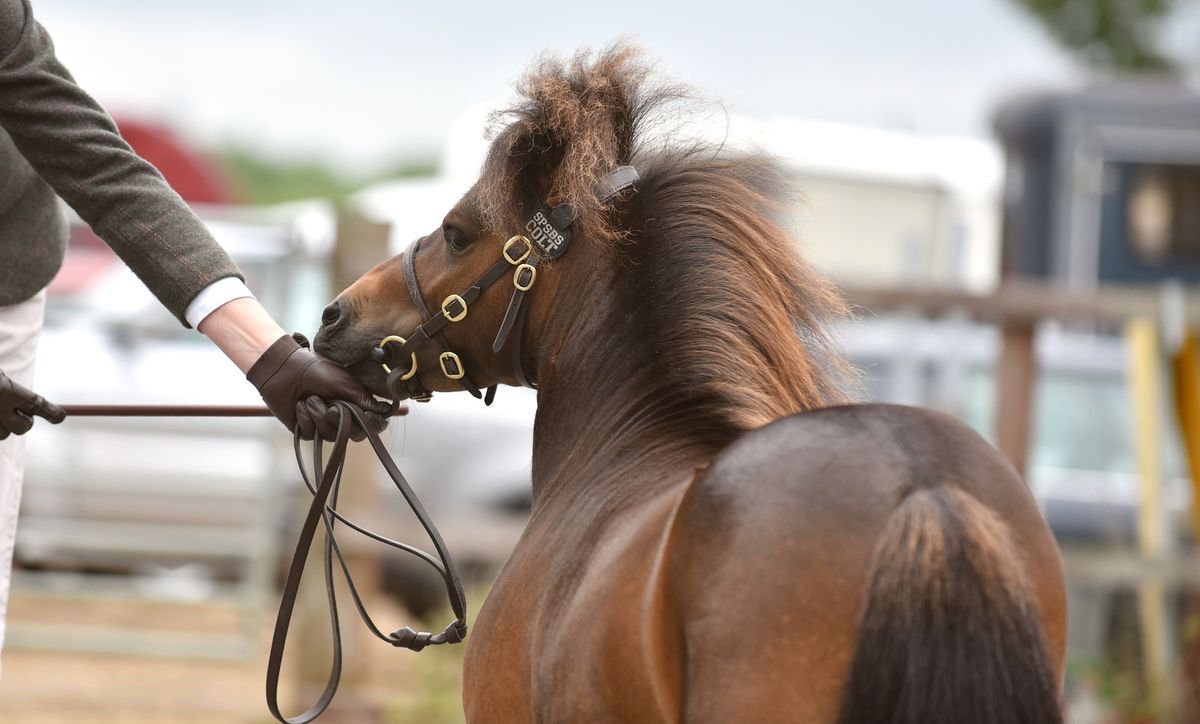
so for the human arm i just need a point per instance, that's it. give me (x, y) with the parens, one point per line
(292, 380)
(72, 143)
(243, 330)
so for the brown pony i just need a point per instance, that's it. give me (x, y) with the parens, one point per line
(716, 536)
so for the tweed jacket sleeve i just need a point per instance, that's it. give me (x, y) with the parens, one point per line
(74, 145)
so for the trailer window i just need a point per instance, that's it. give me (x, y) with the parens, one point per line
(1163, 213)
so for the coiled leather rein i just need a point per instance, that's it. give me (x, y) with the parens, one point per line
(323, 479)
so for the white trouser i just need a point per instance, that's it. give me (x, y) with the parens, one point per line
(20, 325)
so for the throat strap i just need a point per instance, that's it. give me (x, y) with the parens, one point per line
(518, 363)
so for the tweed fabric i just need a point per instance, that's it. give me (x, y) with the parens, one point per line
(56, 139)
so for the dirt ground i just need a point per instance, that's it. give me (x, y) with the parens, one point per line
(380, 684)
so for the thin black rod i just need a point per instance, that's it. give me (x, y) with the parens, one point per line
(166, 411)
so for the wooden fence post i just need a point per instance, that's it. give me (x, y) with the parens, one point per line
(1015, 378)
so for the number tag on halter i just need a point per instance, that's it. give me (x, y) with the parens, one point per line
(548, 237)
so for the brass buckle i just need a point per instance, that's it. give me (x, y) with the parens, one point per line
(383, 343)
(513, 242)
(532, 273)
(451, 358)
(423, 397)
(450, 300)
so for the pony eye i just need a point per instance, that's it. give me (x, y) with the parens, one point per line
(455, 239)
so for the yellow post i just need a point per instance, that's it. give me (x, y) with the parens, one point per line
(1145, 384)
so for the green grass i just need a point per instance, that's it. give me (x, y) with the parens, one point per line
(433, 695)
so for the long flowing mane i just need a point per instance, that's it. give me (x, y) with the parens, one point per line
(751, 313)
(727, 321)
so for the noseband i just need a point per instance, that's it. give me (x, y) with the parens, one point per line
(550, 231)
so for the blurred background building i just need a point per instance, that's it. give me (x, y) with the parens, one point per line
(1007, 188)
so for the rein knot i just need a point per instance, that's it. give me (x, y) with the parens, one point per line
(408, 638)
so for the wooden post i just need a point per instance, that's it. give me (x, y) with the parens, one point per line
(1015, 373)
(361, 244)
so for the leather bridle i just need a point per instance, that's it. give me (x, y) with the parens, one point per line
(402, 382)
(550, 230)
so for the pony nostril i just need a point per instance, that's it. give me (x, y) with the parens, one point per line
(332, 314)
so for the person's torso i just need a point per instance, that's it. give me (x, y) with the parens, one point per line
(33, 229)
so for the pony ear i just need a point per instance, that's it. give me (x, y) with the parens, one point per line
(536, 168)
(574, 123)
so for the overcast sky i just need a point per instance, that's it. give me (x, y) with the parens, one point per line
(363, 81)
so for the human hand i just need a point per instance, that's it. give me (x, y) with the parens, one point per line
(18, 406)
(299, 388)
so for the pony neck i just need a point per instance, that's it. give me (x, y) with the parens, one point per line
(607, 425)
(665, 346)
(614, 420)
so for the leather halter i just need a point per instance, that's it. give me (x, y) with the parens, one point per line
(454, 308)
(551, 232)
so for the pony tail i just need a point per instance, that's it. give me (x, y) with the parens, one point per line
(949, 631)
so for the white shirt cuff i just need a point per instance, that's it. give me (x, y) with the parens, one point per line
(214, 295)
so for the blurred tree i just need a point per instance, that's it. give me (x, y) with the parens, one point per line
(259, 179)
(1120, 35)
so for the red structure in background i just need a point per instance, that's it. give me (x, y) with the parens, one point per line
(194, 177)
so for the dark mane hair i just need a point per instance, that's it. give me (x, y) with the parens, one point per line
(743, 309)
(702, 242)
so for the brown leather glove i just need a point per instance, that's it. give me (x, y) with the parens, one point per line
(296, 383)
(18, 406)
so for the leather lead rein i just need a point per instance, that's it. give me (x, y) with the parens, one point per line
(327, 474)
(323, 509)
